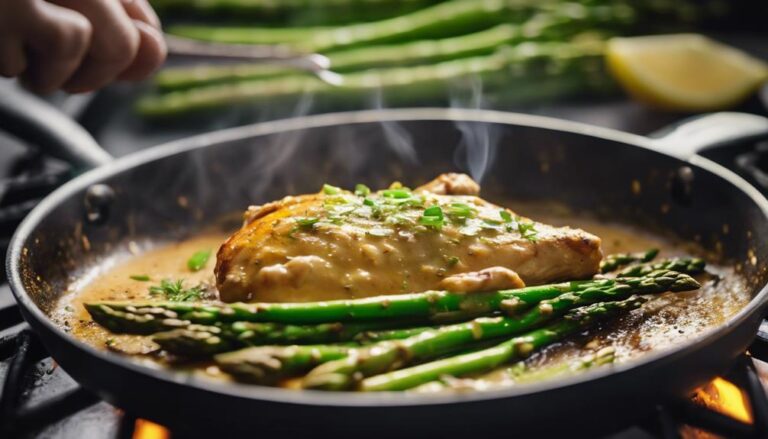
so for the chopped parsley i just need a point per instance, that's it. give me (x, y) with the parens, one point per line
(140, 277)
(198, 260)
(174, 291)
(527, 231)
(331, 190)
(432, 217)
(362, 190)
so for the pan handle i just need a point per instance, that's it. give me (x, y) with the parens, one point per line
(691, 136)
(33, 120)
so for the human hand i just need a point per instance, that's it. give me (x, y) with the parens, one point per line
(78, 45)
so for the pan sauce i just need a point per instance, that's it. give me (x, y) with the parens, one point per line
(661, 323)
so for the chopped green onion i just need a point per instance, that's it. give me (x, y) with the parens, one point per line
(362, 190)
(369, 202)
(461, 211)
(432, 217)
(331, 190)
(307, 222)
(140, 277)
(397, 193)
(506, 216)
(198, 260)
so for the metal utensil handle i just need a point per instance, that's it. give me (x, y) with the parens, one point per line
(274, 54)
(691, 136)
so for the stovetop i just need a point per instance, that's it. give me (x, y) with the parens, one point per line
(38, 399)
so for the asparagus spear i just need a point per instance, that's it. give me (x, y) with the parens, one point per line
(175, 78)
(550, 25)
(140, 317)
(204, 340)
(389, 355)
(294, 12)
(268, 364)
(452, 17)
(517, 347)
(435, 305)
(423, 82)
(618, 260)
(521, 373)
(682, 265)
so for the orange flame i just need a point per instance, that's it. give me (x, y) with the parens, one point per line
(144, 429)
(724, 396)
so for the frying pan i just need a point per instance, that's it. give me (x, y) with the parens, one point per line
(91, 219)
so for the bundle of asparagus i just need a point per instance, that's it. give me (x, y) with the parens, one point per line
(416, 57)
(369, 344)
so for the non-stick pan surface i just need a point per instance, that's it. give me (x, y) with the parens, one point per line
(78, 228)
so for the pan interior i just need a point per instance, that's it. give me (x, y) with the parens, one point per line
(175, 197)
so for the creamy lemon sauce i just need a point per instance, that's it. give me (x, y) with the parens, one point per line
(663, 322)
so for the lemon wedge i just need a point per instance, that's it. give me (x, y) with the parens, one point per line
(686, 72)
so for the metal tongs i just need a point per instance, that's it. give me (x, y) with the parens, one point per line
(318, 65)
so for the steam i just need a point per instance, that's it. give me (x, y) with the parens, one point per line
(479, 140)
(398, 138)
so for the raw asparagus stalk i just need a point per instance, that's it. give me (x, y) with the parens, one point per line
(618, 260)
(268, 364)
(543, 26)
(433, 305)
(293, 12)
(682, 265)
(452, 17)
(518, 347)
(204, 340)
(485, 41)
(423, 82)
(390, 355)
(521, 373)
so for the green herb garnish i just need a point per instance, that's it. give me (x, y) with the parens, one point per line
(140, 277)
(331, 190)
(506, 216)
(198, 260)
(362, 190)
(432, 217)
(460, 211)
(306, 223)
(453, 260)
(527, 231)
(174, 291)
(397, 193)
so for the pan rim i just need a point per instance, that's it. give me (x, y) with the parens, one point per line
(346, 399)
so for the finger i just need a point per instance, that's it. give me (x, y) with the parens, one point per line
(142, 11)
(150, 56)
(57, 39)
(114, 43)
(13, 60)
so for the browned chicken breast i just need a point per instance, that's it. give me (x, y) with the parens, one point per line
(338, 244)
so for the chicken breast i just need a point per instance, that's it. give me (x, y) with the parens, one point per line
(337, 244)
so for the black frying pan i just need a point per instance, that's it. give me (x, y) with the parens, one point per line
(587, 168)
